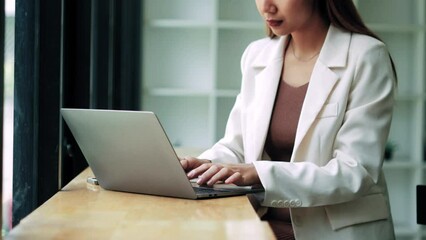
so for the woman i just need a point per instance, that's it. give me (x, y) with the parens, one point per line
(310, 123)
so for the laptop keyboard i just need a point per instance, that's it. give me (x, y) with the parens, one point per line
(208, 190)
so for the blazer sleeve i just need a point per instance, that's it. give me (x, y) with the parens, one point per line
(357, 155)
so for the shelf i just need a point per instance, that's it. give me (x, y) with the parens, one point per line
(179, 10)
(241, 25)
(227, 93)
(226, 24)
(185, 92)
(396, 28)
(400, 164)
(173, 92)
(171, 23)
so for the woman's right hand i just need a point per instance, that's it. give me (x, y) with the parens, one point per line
(210, 173)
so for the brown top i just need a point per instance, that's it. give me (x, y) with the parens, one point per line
(282, 132)
(285, 116)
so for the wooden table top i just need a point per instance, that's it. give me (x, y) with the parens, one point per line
(85, 211)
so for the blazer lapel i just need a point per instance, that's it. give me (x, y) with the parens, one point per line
(266, 83)
(320, 86)
(333, 55)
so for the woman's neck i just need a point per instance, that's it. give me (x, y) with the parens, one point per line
(308, 40)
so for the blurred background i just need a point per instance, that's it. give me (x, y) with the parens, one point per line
(180, 59)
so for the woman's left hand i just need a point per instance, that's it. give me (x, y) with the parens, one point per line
(239, 174)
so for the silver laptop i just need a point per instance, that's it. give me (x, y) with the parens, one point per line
(129, 151)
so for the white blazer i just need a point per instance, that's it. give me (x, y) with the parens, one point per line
(334, 184)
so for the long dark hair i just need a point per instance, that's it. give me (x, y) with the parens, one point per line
(344, 15)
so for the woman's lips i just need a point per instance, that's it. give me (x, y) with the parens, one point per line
(274, 23)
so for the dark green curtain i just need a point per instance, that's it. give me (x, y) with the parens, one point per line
(68, 53)
(2, 28)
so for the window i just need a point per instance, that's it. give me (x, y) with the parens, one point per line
(9, 59)
(62, 61)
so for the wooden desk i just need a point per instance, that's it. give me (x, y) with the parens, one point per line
(84, 211)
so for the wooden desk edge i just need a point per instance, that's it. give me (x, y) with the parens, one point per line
(60, 217)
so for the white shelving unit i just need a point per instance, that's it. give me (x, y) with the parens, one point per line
(191, 58)
(401, 24)
(191, 76)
